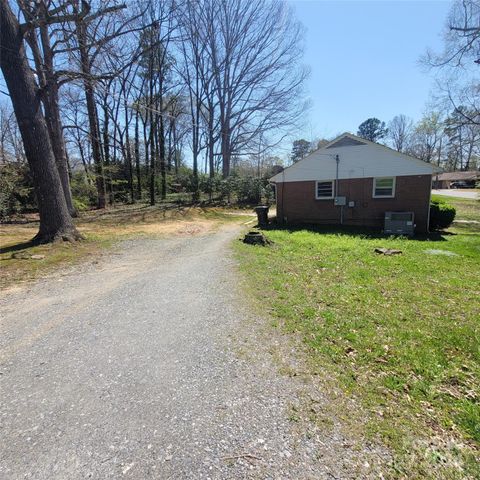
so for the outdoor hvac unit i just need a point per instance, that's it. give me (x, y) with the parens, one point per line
(399, 223)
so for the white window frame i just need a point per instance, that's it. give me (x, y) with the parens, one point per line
(316, 189)
(384, 178)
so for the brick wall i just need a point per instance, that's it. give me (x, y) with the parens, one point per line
(296, 201)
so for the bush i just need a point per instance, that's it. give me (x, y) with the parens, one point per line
(83, 190)
(249, 190)
(16, 190)
(79, 205)
(441, 215)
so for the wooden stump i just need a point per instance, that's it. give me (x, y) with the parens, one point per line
(256, 238)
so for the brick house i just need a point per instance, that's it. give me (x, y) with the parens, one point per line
(353, 181)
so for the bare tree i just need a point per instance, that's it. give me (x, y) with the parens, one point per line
(461, 38)
(463, 140)
(252, 52)
(457, 65)
(400, 131)
(428, 138)
(11, 139)
(55, 219)
(37, 17)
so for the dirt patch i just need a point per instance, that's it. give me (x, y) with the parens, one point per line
(167, 227)
(102, 228)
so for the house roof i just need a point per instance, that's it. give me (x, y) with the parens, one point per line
(453, 176)
(357, 158)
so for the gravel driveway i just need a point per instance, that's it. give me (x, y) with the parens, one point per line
(147, 364)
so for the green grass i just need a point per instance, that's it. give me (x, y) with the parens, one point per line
(467, 209)
(401, 333)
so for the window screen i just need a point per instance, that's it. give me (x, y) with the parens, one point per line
(325, 189)
(383, 187)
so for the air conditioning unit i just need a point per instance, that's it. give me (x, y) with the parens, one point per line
(399, 223)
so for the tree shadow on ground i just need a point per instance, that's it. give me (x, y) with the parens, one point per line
(18, 246)
(364, 232)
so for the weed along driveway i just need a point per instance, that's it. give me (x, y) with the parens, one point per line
(147, 365)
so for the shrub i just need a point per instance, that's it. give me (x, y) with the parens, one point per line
(16, 190)
(441, 215)
(79, 205)
(268, 193)
(249, 190)
(83, 190)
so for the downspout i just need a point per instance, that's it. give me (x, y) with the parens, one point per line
(337, 160)
(428, 206)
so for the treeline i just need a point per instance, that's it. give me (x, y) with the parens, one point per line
(136, 101)
(447, 141)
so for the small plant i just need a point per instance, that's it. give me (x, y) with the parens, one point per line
(441, 215)
(84, 192)
(80, 205)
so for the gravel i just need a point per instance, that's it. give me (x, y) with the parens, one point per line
(147, 364)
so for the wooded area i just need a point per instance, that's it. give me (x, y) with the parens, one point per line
(129, 102)
(108, 103)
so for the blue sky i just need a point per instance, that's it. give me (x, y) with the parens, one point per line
(364, 59)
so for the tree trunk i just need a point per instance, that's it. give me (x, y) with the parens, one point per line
(175, 156)
(55, 220)
(52, 116)
(169, 147)
(163, 169)
(137, 158)
(152, 129)
(146, 143)
(129, 154)
(92, 111)
(225, 159)
(152, 159)
(211, 144)
(106, 146)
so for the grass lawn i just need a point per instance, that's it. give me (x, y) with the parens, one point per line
(401, 333)
(101, 228)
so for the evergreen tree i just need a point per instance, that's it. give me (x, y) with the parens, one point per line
(372, 129)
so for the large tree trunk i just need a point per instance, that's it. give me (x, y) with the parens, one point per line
(49, 87)
(225, 157)
(52, 116)
(55, 220)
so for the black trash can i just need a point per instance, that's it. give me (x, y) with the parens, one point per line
(262, 215)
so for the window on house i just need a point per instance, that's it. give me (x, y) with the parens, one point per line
(324, 190)
(384, 187)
